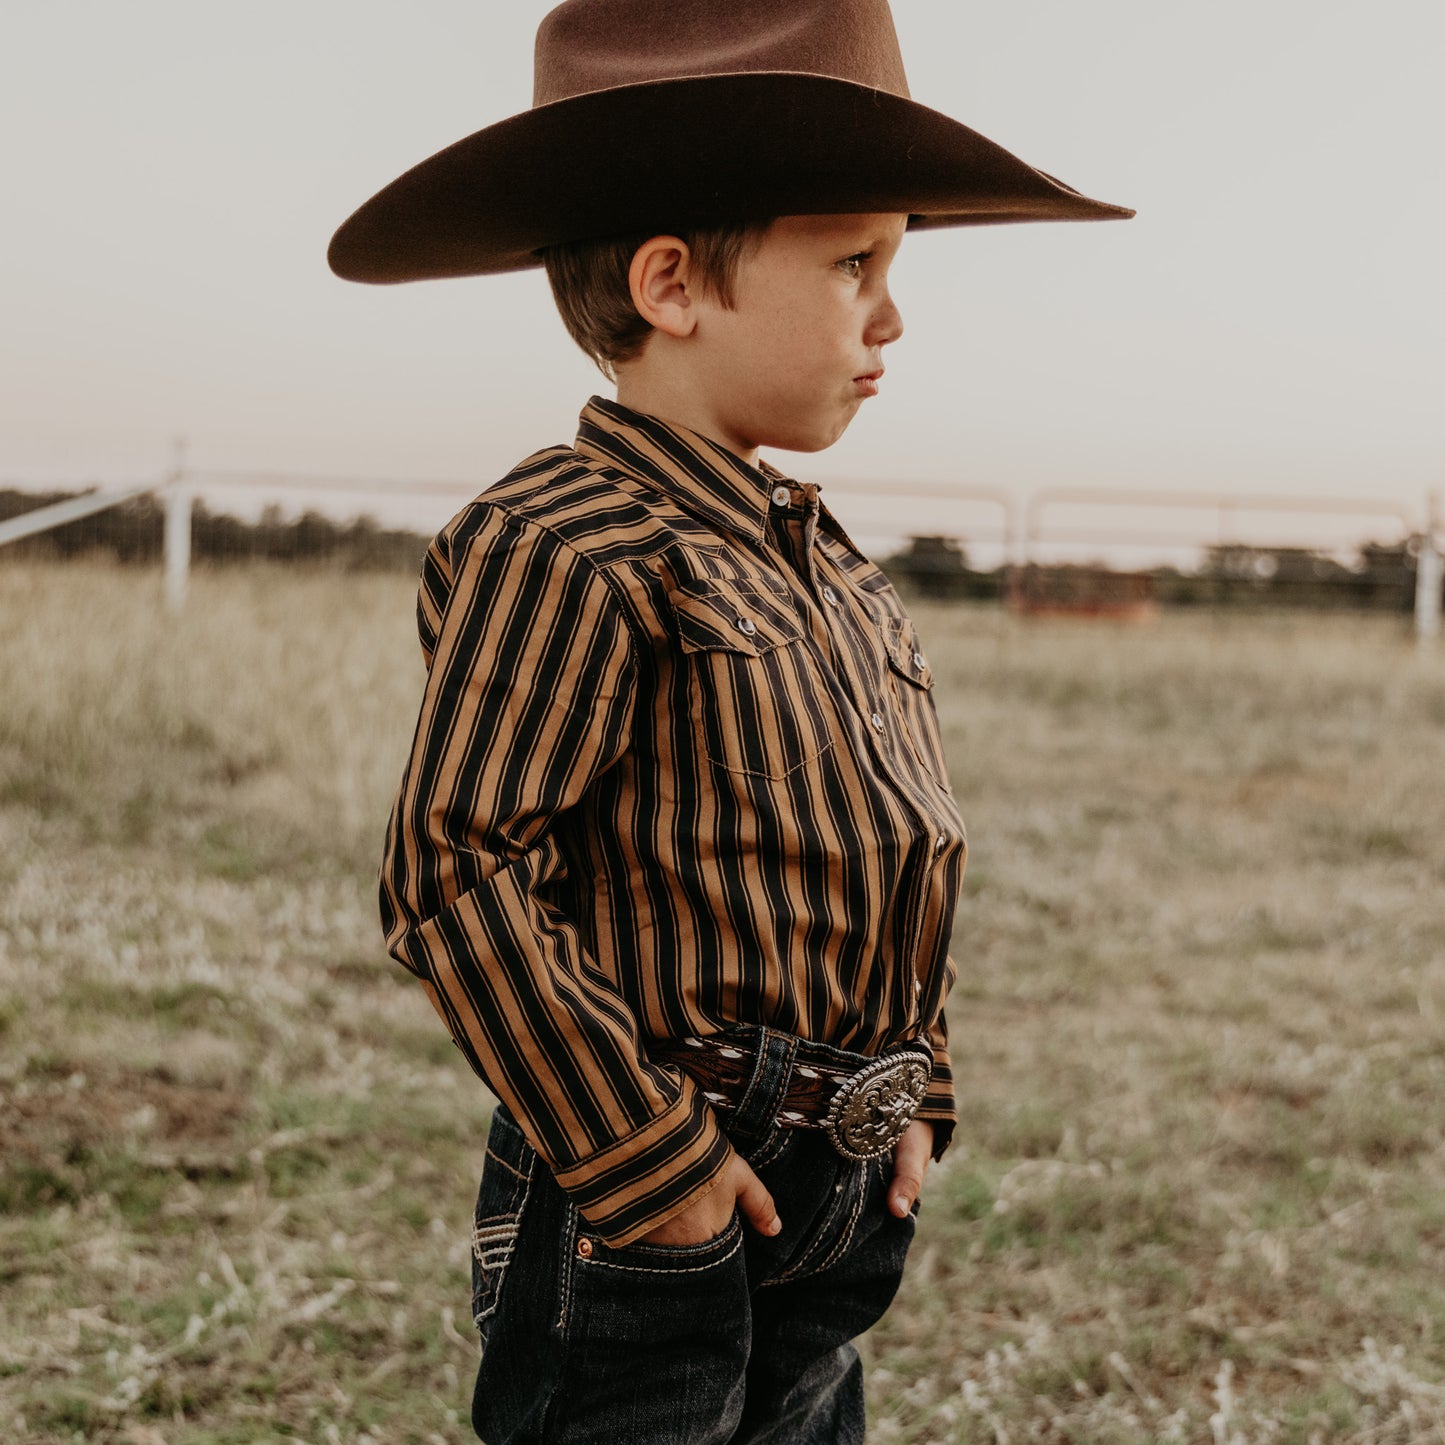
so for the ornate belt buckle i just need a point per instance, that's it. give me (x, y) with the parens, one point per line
(870, 1112)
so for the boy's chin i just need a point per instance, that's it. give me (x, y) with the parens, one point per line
(806, 439)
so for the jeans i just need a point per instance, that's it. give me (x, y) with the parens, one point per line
(738, 1339)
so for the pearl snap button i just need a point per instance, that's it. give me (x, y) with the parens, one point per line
(940, 843)
(919, 661)
(747, 626)
(781, 496)
(878, 722)
(830, 596)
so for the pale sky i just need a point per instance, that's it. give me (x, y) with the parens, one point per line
(1273, 318)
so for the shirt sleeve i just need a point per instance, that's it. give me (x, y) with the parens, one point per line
(531, 687)
(939, 1106)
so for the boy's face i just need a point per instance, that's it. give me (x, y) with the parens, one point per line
(801, 350)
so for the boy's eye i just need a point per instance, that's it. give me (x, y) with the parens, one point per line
(853, 265)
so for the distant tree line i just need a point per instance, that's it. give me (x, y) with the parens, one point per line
(1381, 577)
(939, 567)
(132, 532)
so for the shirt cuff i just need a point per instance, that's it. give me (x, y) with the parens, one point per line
(658, 1170)
(938, 1106)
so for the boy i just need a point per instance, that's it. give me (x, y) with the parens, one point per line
(675, 855)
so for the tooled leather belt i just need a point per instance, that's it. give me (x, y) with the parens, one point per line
(863, 1104)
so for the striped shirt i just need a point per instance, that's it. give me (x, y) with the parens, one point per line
(677, 768)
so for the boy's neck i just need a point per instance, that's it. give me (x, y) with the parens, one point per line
(660, 396)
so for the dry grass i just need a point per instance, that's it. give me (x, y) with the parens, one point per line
(1199, 1188)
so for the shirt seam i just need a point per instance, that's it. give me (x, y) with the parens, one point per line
(603, 574)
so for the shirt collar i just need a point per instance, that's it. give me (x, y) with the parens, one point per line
(704, 477)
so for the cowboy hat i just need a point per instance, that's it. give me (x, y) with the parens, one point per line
(654, 115)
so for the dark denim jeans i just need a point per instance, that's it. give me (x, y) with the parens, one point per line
(739, 1339)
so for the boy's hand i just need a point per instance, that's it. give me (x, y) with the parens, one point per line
(911, 1159)
(739, 1188)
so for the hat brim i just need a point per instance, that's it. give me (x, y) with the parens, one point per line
(683, 153)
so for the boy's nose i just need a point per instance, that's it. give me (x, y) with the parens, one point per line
(887, 324)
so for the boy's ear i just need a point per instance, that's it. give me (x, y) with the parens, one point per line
(661, 285)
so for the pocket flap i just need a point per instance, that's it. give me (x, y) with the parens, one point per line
(733, 617)
(905, 655)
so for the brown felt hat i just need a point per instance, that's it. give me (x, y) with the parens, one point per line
(658, 115)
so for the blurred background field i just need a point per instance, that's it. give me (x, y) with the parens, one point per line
(1198, 1191)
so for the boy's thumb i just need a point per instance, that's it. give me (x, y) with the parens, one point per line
(757, 1204)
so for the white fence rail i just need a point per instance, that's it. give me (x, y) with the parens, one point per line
(72, 509)
(1026, 530)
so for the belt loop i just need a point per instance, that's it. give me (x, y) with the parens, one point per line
(763, 1098)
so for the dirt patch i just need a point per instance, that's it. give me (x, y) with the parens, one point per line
(55, 1122)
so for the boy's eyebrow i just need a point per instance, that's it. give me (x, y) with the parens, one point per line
(882, 241)
(865, 243)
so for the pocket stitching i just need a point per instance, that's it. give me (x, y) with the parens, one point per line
(754, 650)
(900, 642)
(846, 1238)
(494, 1240)
(525, 1177)
(804, 1266)
(622, 1266)
(713, 626)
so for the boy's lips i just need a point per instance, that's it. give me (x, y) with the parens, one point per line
(867, 384)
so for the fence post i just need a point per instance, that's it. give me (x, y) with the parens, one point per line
(177, 542)
(1428, 577)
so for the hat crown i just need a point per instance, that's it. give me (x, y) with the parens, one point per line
(591, 45)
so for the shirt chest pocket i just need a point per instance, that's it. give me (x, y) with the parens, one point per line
(911, 679)
(756, 702)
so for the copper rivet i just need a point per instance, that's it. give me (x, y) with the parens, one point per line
(584, 1248)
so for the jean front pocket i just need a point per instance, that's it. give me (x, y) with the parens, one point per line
(656, 1341)
(506, 1182)
(661, 1297)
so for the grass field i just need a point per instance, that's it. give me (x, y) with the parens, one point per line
(1198, 1192)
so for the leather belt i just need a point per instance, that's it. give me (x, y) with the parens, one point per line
(863, 1104)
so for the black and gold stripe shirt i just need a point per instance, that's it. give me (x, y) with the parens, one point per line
(677, 767)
